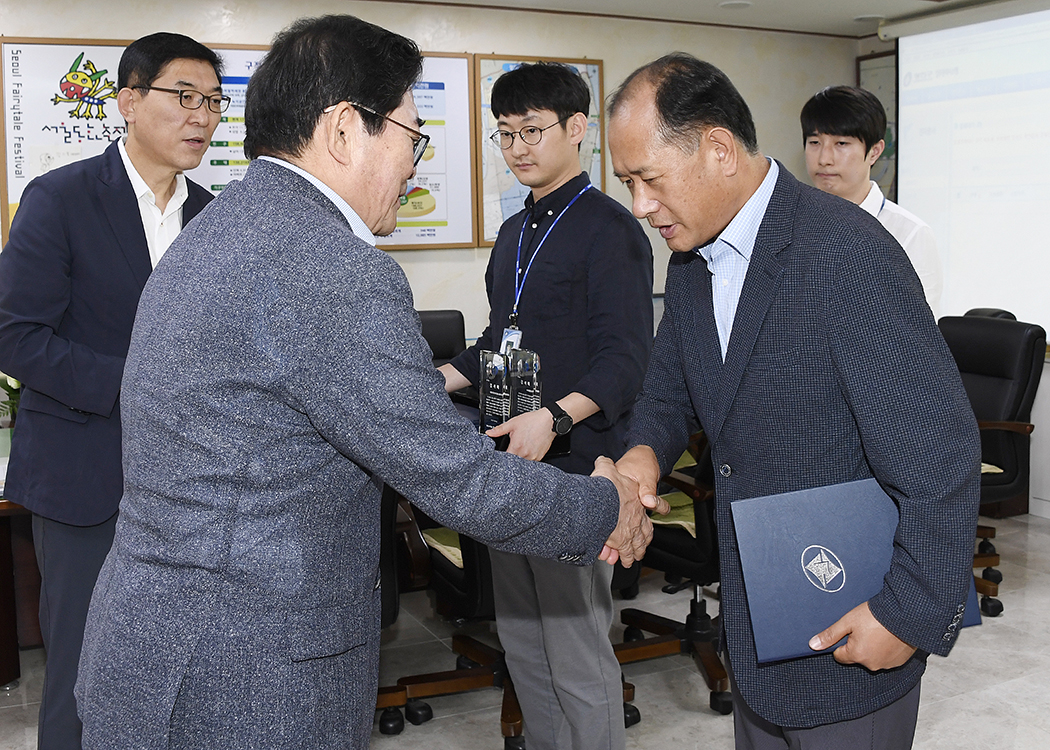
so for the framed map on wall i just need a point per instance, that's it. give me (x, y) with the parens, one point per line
(500, 194)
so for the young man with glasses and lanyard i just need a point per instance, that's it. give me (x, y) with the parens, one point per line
(83, 242)
(571, 275)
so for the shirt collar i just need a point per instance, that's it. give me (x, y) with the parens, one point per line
(743, 229)
(558, 199)
(357, 226)
(874, 200)
(142, 190)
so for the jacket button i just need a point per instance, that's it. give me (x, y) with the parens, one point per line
(725, 470)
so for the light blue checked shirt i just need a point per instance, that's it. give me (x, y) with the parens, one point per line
(357, 226)
(729, 255)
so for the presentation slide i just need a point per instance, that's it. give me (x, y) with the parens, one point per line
(974, 159)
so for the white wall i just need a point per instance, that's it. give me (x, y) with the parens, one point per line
(775, 72)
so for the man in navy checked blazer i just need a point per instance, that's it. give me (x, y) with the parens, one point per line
(796, 335)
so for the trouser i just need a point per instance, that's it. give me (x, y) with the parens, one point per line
(553, 621)
(69, 558)
(891, 727)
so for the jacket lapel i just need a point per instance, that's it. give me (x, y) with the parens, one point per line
(122, 211)
(769, 259)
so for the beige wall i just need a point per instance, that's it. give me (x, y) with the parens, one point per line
(775, 72)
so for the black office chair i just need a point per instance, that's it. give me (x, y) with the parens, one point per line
(1000, 360)
(444, 331)
(687, 558)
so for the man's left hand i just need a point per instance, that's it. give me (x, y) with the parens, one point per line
(530, 434)
(870, 644)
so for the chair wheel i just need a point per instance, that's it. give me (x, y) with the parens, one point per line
(464, 662)
(391, 721)
(986, 548)
(991, 574)
(722, 703)
(630, 592)
(514, 743)
(631, 715)
(416, 711)
(991, 607)
(632, 634)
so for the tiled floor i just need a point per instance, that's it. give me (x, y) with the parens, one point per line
(992, 693)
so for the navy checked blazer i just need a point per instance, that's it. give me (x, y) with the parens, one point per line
(835, 371)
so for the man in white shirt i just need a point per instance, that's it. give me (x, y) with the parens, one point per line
(83, 242)
(842, 131)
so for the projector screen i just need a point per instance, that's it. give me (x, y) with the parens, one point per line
(974, 159)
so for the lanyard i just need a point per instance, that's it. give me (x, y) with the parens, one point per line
(519, 277)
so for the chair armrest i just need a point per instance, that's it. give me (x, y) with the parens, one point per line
(1023, 428)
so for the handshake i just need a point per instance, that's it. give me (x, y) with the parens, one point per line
(635, 476)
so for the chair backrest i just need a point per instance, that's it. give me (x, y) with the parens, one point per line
(445, 333)
(991, 312)
(1001, 361)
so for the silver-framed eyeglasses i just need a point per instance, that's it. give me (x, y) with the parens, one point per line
(530, 135)
(191, 99)
(420, 141)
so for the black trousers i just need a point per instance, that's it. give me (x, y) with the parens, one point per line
(69, 558)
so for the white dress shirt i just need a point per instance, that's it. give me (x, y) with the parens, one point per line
(915, 236)
(161, 227)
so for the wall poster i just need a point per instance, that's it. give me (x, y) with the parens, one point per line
(501, 195)
(438, 210)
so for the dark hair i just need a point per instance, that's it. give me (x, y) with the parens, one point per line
(318, 62)
(144, 59)
(552, 86)
(845, 110)
(691, 95)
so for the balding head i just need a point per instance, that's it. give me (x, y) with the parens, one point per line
(690, 96)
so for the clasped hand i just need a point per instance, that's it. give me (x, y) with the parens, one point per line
(633, 530)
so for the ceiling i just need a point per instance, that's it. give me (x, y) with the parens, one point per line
(836, 17)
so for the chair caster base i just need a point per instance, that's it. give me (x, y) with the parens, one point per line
(722, 703)
(991, 607)
(514, 743)
(391, 721)
(417, 712)
(985, 547)
(631, 715)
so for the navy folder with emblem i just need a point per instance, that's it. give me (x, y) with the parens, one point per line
(810, 556)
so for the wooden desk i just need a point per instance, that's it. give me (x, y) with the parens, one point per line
(9, 666)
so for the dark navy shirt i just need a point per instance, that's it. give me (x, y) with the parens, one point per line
(586, 309)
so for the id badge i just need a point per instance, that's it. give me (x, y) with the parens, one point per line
(511, 340)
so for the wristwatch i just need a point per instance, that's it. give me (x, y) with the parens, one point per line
(562, 420)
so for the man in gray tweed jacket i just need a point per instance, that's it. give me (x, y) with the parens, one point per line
(276, 378)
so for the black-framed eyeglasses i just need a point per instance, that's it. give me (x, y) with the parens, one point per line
(191, 99)
(530, 135)
(419, 142)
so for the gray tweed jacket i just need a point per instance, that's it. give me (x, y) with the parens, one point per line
(835, 371)
(276, 378)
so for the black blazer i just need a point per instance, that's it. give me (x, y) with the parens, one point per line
(70, 279)
(835, 371)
